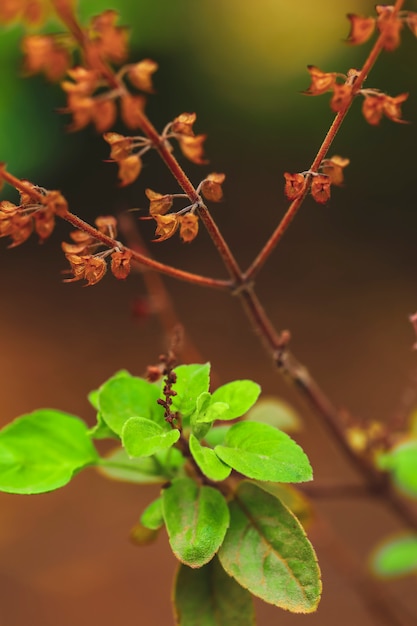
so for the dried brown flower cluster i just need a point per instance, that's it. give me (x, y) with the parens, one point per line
(331, 174)
(185, 220)
(88, 264)
(19, 221)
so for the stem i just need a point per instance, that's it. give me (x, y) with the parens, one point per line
(321, 154)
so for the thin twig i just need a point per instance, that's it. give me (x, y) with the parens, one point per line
(321, 154)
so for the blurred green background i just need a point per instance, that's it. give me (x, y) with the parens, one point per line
(343, 280)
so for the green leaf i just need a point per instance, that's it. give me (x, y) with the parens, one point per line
(240, 395)
(93, 395)
(101, 430)
(123, 397)
(143, 437)
(268, 553)
(192, 380)
(209, 597)
(217, 435)
(196, 518)
(397, 557)
(152, 517)
(158, 468)
(401, 463)
(292, 498)
(208, 461)
(93, 398)
(207, 410)
(42, 451)
(275, 412)
(262, 452)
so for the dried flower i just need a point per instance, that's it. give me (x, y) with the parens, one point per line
(192, 148)
(342, 95)
(109, 40)
(333, 168)
(320, 81)
(361, 28)
(183, 124)
(43, 53)
(211, 187)
(129, 169)
(120, 263)
(166, 226)
(140, 75)
(159, 203)
(294, 185)
(320, 188)
(389, 27)
(188, 227)
(376, 105)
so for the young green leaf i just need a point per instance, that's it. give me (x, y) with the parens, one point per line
(123, 397)
(208, 461)
(275, 412)
(196, 518)
(268, 553)
(152, 517)
(209, 597)
(396, 557)
(262, 452)
(158, 468)
(401, 462)
(42, 451)
(143, 437)
(207, 410)
(240, 395)
(192, 380)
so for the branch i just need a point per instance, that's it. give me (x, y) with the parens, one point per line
(80, 224)
(294, 207)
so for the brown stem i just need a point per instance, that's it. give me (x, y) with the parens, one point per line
(327, 142)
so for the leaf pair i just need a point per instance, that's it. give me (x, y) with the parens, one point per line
(264, 550)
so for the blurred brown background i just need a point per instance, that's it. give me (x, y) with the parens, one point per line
(343, 281)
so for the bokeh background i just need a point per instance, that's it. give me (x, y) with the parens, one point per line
(343, 281)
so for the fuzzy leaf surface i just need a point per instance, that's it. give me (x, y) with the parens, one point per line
(209, 597)
(240, 395)
(196, 518)
(192, 380)
(123, 397)
(208, 461)
(41, 451)
(396, 557)
(401, 463)
(154, 469)
(268, 553)
(143, 437)
(262, 452)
